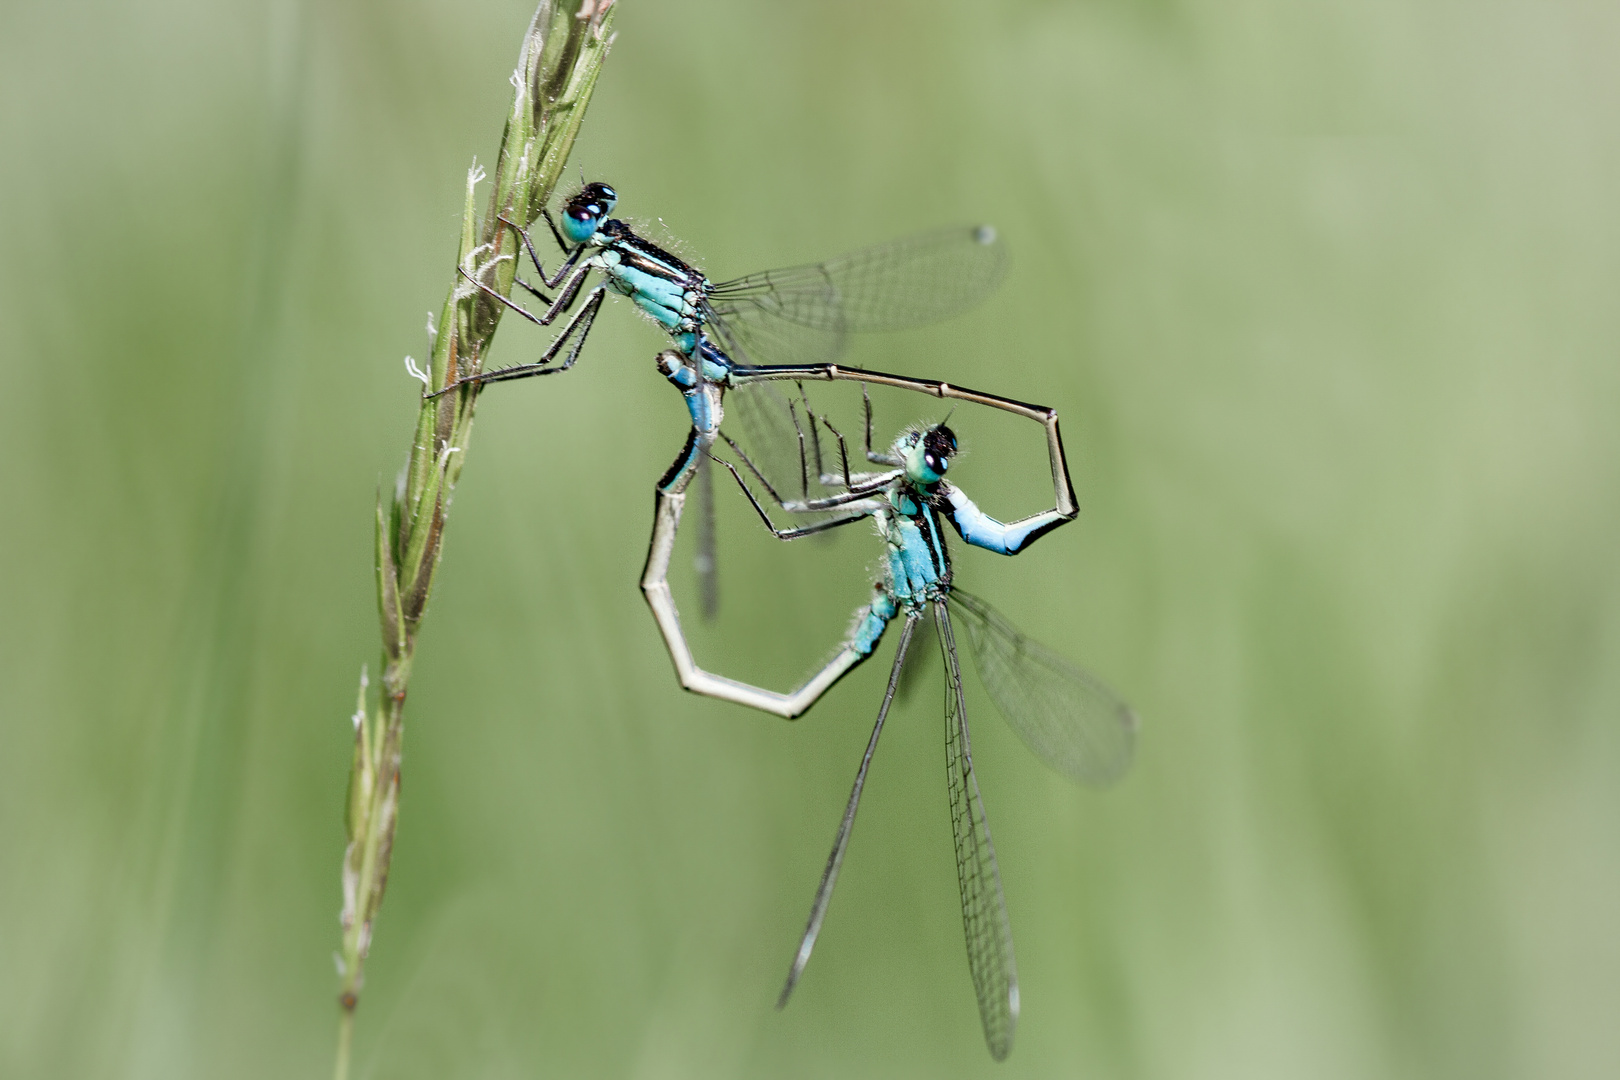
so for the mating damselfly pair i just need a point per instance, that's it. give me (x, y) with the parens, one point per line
(748, 347)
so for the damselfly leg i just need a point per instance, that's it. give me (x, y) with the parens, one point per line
(860, 514)
(570, 256)
(576, 329)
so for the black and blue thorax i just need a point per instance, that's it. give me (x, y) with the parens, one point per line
(910, 514)
(665, 287)
(919, 563)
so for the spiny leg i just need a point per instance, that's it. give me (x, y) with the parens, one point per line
(804, 465)
(571, 256)
(564, 301)
(866, 399)
(871, 455)
(786, 534)
(843, 454)
(829, 876)
(531, 290)
(823, 477)
(552, 224)
(577, 328)
(815, 436)
(746, 460)
(859, 486)
(854, 494)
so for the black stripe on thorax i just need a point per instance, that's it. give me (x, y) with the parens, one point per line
(644, 255)
(927, 522)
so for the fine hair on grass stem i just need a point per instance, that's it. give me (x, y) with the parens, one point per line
(557, 68)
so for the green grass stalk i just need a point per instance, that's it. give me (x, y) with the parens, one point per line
(557, 69)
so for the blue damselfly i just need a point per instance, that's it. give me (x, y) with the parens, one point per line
(798, 315)
(1069, 719)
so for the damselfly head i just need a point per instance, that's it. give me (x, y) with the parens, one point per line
(928, 453)
(939, 444)
(583, 213)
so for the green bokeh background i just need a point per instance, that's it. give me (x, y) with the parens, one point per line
(1325, 295)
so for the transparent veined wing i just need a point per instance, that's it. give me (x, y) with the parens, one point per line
(984, 908)
(755, 338)
(779, 429)
(1070, 719)
(891, 286)
(829, 876)
(770, 422)
(918, 674)
(800, 314)
(705, 558)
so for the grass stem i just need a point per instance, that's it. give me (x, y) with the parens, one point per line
(557, 69)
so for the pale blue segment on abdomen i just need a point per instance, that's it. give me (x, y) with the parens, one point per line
(697, 402)
(873, 622)
(982, 530)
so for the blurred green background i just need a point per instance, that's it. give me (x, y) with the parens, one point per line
(1325, 296)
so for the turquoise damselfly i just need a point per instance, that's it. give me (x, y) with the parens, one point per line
(1071, 720)
(798, 314)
